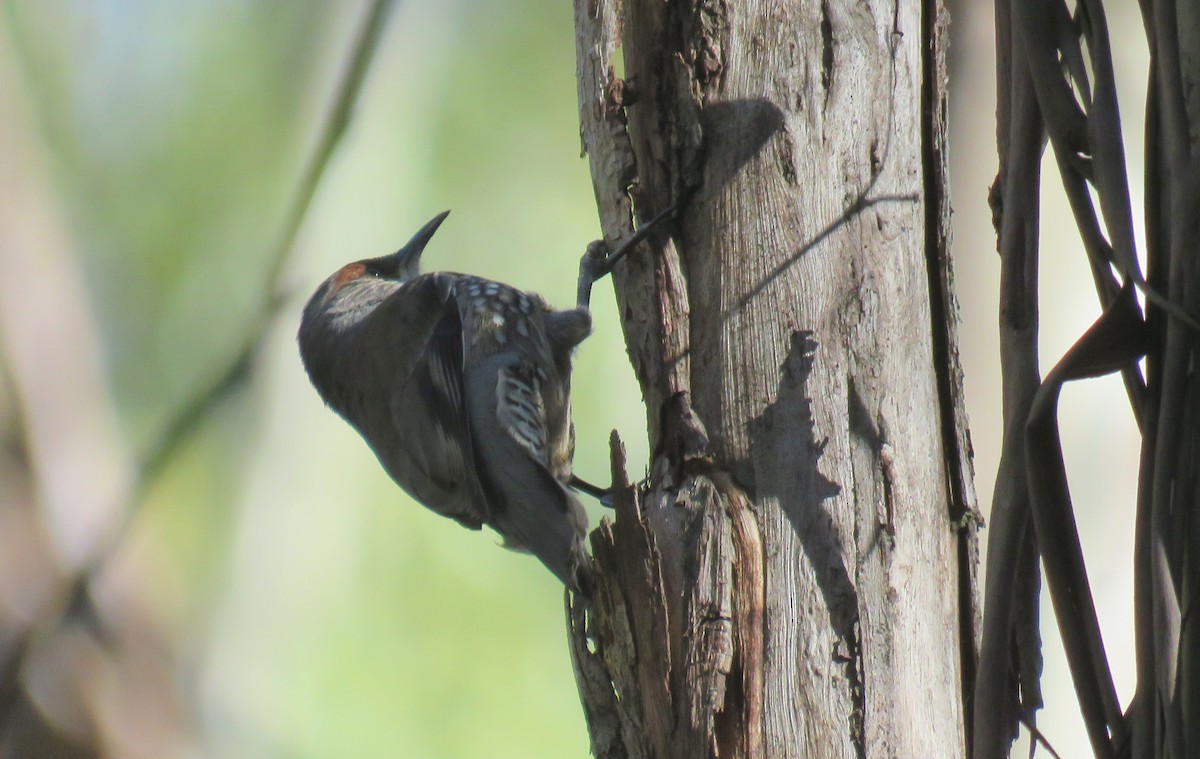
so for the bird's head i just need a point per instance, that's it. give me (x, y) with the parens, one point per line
(353, 291)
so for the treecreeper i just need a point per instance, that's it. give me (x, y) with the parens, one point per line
(462, 388)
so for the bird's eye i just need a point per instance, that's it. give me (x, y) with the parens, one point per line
(379, 270)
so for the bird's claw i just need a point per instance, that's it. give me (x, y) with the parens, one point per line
(599, 260)
(595, 263)
(593, 266)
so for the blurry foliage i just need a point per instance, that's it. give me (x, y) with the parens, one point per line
(175, 129)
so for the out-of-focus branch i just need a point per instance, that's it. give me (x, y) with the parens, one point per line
(336, 121)
(188, 419)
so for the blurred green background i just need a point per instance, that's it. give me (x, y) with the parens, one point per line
(276, 595)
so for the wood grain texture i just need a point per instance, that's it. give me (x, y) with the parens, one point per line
(795, 344)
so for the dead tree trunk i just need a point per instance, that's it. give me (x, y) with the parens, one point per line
(796, 578)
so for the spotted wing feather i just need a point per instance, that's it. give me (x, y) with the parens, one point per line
(509, 383)
(520, 410)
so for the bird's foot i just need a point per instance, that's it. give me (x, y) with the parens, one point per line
(593, 266)
(604, 495)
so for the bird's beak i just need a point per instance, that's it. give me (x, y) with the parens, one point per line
(411, 252)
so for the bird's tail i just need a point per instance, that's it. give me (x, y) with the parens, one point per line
(535, 513)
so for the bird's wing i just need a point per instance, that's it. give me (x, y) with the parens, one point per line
(404, 322)
(421, 376)
(530, 508)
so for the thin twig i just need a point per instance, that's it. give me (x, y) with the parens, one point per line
(1037, 738)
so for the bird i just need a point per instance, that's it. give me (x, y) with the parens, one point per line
(462, 388)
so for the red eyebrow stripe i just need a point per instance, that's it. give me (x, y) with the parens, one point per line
(348, 273)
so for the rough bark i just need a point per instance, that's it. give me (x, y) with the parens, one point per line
(796, 578)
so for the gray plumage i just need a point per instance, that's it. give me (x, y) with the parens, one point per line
(461, 387)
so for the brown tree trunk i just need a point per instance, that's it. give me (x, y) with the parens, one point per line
(797, 576)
